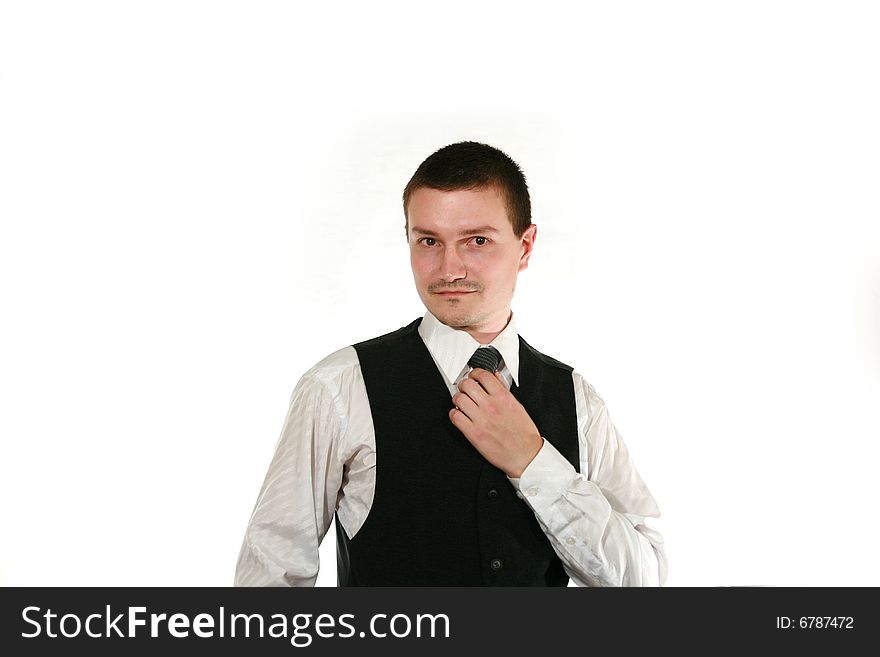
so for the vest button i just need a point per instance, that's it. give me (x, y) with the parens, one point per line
(492, 493)
(496, 564)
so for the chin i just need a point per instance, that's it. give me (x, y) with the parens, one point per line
(455, 319)
(452, 313)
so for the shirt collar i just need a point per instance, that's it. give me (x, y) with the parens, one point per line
(452, 348)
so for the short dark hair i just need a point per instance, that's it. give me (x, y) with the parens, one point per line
(471, 165)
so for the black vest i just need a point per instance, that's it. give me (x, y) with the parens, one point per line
(442, 515)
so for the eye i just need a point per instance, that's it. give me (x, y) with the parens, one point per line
(480, 241)
(428, 241)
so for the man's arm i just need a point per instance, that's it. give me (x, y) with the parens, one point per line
(298, 497)
(595, 521)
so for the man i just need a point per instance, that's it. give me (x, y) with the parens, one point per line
(451, 451)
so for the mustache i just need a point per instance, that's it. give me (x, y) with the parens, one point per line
(445, 287)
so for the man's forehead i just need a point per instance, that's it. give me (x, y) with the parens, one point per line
(472, 211)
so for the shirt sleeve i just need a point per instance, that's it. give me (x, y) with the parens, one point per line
(596, 520)
(298, 497)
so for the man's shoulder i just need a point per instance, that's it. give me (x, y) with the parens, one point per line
(391, 338)
(584, 391)
(544, 358)
(340, 359)
(577, 378)
(333, 370)
(337, 369)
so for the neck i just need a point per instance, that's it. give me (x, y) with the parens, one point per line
(485, 333)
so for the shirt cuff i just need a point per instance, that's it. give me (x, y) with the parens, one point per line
(546, 478)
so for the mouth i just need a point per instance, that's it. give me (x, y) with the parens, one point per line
(455, 293)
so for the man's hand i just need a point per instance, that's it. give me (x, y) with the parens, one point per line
(495, 423)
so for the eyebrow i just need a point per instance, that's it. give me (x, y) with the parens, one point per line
(481, 230)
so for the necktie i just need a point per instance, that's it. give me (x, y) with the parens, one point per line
(487, 358)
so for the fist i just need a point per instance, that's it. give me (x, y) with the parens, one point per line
(495, 423)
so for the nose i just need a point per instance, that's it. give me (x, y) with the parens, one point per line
(452, 266)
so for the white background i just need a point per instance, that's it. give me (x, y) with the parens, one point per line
(200, 200)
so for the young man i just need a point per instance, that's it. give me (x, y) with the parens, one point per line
(451, 451)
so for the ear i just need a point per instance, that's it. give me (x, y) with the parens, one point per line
(528, 243)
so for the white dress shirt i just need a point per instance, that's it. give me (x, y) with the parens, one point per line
(325, 463)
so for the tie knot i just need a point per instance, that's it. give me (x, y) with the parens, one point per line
(487, 358)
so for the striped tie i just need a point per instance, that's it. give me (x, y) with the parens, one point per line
(486, 357)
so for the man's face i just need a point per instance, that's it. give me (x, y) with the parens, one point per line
(465, 257)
